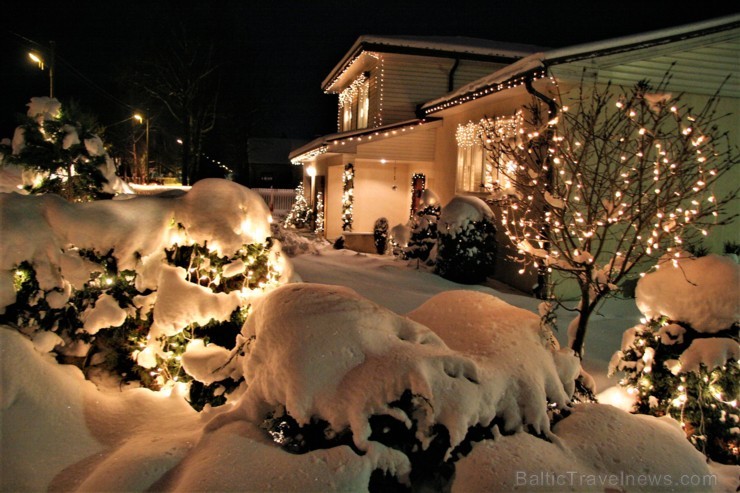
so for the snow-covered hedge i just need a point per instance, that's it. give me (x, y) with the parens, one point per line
(142, 276)
(683, 359)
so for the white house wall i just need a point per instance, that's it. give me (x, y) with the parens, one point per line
(409, 80)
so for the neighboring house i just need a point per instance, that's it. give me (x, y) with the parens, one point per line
(432, 140)
(268, 166)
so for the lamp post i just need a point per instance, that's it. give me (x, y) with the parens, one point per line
(38, 59)
(144, 119)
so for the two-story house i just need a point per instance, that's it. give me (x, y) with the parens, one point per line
(413, 138)
(391, 152)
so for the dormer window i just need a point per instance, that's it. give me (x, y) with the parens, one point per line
(354, 103)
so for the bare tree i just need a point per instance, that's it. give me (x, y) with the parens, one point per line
(597, 190)
(184, 78)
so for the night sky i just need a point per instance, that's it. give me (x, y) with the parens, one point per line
(274, 54)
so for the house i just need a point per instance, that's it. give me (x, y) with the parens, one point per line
(380, 83)
(267, 164)
(388, 143)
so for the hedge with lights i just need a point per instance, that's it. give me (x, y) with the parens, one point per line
(118, 350)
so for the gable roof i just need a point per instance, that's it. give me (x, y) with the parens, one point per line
(439, 46)
(535, 65)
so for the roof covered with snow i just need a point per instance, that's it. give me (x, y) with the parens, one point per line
(440, 46)
(330, 142)
(535, 64)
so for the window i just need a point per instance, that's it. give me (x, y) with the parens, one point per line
(475, 170)
(471, 163)
(354, 103)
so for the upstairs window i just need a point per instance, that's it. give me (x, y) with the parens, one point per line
(354, 103)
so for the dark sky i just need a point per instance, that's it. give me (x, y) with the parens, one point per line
(276, 53)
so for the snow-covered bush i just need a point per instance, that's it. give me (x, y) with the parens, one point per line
(380, 235)
(398, 239)
(300, 214)
(326, 367)
(683, 359)
(139, 287)
(467, 241)
(423, 225)
(60, 155)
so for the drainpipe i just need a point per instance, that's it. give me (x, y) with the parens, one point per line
(451, 75)
(543, 283)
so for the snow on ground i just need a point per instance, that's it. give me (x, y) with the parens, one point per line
(318, 351)
(397, 285)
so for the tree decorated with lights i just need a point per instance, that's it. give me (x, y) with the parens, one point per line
(682, 360)
(300, 214)
(601, 188)
(63, 151)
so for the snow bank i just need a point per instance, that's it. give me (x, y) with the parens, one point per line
(325, 352)
(596, 448)
(519, 372)
(702, 292)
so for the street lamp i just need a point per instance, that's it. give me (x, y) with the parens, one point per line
(39, 60)
(143, 119)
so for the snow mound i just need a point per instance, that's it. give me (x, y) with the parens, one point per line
(519, 371)
(324, 352)
(596, 448)
(702, 292)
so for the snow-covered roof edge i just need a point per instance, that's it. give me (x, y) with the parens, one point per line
(533, 64)
(459, 46)
(320, 145)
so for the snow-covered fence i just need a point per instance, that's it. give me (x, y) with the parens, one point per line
(279, 200)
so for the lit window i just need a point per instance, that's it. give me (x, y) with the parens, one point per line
(354, 103)
(476, 169)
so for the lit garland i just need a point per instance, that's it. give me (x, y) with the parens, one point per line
(357, 89)
(319, 214)
(414, 179)
(348, 198)
(309, 155)
(484, 91)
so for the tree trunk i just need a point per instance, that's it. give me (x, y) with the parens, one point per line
(584, 314)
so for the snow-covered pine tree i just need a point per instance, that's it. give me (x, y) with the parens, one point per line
(600, 188)
(682, 361)
(65, 154)
(300, 215)
(423, 237)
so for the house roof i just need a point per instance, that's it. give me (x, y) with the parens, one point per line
(332, 142)
(535, 65)
(439, 46)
